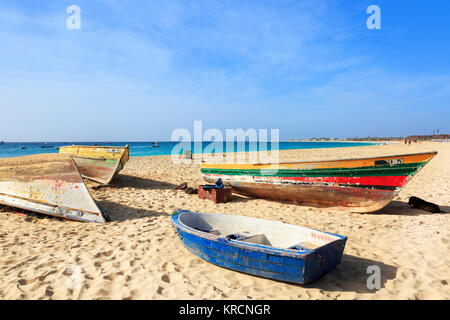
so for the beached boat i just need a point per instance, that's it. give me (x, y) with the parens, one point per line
(270, 249)
(49, 184)
(98, 163)
(363, 185)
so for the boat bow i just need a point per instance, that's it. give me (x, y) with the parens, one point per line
(49, 184)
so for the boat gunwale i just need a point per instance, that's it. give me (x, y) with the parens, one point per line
(293, 253)
(47, 204)
(86, 146)
(50, 205)
(394, 170)
(434, 152)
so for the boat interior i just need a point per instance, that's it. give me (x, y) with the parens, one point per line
(268, 233)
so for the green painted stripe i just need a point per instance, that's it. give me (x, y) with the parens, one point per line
(396, 170)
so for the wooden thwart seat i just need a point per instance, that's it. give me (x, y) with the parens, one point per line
(245, 237)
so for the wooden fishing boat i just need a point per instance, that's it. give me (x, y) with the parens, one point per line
(270, 249)
(49, 184)
(363, 185)
(98, 163)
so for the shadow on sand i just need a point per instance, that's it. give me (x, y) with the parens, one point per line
(239, 198)
(126, 181)
(120, 212)
(402, 208)
(351, 275)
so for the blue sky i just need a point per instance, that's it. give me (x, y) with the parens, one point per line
(137, 70)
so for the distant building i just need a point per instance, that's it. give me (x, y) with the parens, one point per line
(429, 137)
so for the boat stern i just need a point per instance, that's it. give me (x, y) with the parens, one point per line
(324, 259)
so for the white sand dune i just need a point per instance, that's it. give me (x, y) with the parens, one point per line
(138, 256)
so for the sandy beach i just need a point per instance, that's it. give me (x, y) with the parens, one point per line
(138, 255)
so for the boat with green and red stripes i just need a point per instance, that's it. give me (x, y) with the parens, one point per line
(364, 185)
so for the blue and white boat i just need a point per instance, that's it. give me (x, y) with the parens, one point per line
(270, 249)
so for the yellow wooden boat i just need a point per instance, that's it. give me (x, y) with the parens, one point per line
(49, 184)
(98, 163)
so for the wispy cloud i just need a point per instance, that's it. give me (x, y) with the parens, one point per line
(151, 67)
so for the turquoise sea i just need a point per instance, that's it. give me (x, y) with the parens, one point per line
(17, 149)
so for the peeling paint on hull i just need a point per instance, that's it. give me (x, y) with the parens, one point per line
(364, 185)
(49, 184)
(287, 263)
(100, 164)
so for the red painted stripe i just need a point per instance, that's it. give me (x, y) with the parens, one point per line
(389, 181)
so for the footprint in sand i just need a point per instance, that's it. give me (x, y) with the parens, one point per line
(42, 278)
(160, 291)
(109, 277)
(102, 293)
(49, 292)
(165, 278)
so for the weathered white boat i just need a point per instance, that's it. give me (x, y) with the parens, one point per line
(49, 184)
(270, 249)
